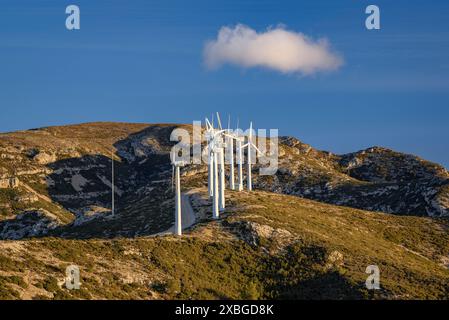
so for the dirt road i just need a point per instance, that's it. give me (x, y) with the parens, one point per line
(187, 216)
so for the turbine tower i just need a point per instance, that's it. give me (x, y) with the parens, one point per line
(240, 162)
(231, 164)
(211, 173)
(210, 158)
(250, 145)
(239, 150)
(218, 186)
(215, 197)
(176, 180)
(230, 139)
(221, 162)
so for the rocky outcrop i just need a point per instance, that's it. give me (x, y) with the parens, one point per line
(440, 202)
(90, 213)
(28, 224)
(154, 140)
(44, 158)
(376, 179)
(253, 233)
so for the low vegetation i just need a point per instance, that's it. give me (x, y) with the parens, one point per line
(216, 260)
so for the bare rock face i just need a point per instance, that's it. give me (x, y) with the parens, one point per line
(376, 179)
(440, 203)
(90, 213)
(334, 260)
(28, 224)
(44, 158)
(252, 233)
(152, 141)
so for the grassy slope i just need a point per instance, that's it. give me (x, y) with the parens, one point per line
(408, 250)
(213, 262)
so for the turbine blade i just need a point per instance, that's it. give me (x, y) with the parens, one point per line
(208, 125)
(219, 121)
(219, 132)
(230, 136)
(257, 149)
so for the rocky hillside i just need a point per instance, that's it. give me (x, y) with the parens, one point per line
(57, 180)
(266, 246)
(376, 179)
(55, 210)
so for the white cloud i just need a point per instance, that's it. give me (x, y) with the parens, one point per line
(278, 49)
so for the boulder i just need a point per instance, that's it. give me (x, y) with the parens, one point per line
(44, 158)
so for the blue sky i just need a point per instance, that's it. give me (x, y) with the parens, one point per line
(142, 61)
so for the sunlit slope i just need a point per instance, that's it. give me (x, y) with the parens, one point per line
(265, 246)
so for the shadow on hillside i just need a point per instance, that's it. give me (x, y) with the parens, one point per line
(302, 272)
(328, 286)
(82, 186)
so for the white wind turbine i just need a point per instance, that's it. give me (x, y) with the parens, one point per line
(216, 176)
(176, 180)
(221, 161)
(230, 137)
(216, 167)
(250, 145)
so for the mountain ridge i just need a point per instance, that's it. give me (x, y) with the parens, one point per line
(59, 177)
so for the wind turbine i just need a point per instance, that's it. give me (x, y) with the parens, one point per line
(250, 145)
(230, 137)
(216, 176)
(176, 180)
(218, 185)
(221, 161)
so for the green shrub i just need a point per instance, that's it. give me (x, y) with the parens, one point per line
(50, 284)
